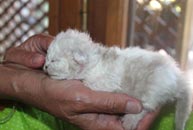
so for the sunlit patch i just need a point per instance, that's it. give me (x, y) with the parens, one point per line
(163, 52)
(155, 5)
(190, 55)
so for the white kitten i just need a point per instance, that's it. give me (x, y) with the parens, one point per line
(149, 76)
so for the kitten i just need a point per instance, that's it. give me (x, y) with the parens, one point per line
(148, 76)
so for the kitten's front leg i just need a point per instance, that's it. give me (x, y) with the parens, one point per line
(130, 121)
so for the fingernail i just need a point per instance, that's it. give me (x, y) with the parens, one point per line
(133, 107)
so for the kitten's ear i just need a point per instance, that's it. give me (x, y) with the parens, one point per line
(80, 57)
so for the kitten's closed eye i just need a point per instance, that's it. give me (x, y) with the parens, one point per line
(54, 60)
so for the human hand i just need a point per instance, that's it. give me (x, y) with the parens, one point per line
(92, 110)
(31, 53)
(69, 100)
(34, 49)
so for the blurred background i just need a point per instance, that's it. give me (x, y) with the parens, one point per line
(163, 25)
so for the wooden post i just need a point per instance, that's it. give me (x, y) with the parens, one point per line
(131, 22)
(116, 22)
(107, 21)
(185, 39)
(64, 14)
(53, 15)
(97, 19)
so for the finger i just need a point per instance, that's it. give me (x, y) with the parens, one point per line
(105, 102)
(146, 122)
(38, 43)
(81, 99)
(115, 103)
(43, 41)
(97, 122)
(29, 59)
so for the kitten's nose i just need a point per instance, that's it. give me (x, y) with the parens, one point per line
(45, 68)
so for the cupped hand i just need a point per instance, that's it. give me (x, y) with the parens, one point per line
(71, 100)
(88, 109)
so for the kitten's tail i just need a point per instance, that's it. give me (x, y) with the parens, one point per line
(184, 104)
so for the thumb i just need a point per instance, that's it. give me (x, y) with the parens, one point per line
(26, 58)
(105, 102)
(115, 103)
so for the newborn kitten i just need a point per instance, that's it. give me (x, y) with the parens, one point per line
(148, 76)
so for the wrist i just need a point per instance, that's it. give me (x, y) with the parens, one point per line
(23, 85)
(7, 78)
(29, 88)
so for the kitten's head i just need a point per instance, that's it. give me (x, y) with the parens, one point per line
(67, 54)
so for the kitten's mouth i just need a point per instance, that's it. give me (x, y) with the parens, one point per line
(53, 76)
(56, 77)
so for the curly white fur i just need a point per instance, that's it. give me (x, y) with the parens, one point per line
(149, 76)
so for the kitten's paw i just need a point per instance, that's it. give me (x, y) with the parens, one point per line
(129, 122)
